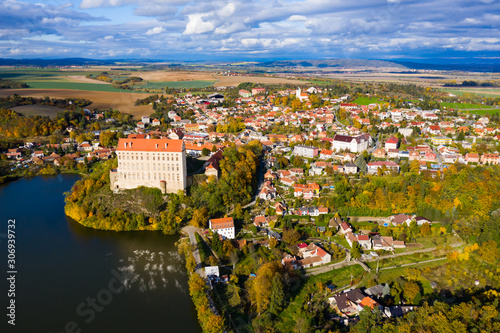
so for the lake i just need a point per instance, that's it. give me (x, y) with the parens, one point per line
(74, 279)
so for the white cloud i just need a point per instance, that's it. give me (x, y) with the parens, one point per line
(155, 31)
(196, 25)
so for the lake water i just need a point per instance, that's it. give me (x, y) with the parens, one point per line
(74, 279)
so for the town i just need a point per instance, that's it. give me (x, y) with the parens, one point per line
(321, 202)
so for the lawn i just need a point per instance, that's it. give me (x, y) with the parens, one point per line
(367, 100)
(389, 275)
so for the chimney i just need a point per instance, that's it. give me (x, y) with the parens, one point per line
(156, 146)
(166, 145)
(131, 144)
(125, 145)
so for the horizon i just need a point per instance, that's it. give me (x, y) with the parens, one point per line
(183, 30)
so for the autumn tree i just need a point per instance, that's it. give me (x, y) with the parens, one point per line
(291, 236)
(264, 289)
(488, 252)
(199, 218)
(410, 290)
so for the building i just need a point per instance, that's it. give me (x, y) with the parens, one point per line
(305, 151)
(490, 158)
(354, 144)
(159, 163)
(389, 165)
(441, 140)
(223, 226)
(392, 143)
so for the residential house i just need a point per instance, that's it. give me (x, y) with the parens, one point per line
(223, 226)
(399, 219)
(305, 151)
(350, 168)
(268, 192)
(389, 165)
(392, 143)
(490, 159)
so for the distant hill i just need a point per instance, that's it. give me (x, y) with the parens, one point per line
(466, 67)
(293, 65)
(56, 62)
(333, 63)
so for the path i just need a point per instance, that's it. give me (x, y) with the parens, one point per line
(191, 231)
(414, 263)
(330, 267)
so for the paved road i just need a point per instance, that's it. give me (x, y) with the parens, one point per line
(191, 231)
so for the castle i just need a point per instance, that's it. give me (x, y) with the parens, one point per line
(159, 163)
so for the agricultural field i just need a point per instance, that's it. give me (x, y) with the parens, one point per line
(367, 101)
(123, 102)
(174, 84)
(483, 92)
(232, 81)
(74, 86)
(464, 106)
(38, 110)
(482, 111)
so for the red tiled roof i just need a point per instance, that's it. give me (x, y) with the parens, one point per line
(158, 145)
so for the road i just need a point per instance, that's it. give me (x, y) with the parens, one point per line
(191, 231)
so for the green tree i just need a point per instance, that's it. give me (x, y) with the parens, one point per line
(277, 296)
(355, 250)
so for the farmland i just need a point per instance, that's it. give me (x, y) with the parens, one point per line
(124, 102)
(174, 84)
(38, 110)
(484, 92)
(464, 106)
(366, 101)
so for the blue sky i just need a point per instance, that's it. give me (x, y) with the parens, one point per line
(421, 30)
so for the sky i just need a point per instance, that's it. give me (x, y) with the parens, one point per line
(251, 30)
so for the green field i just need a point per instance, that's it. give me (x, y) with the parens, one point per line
(483, 111)
(464, 106)
(367, 100)
(74, 86)
(41, 75)
(488, 92)
(175, 84)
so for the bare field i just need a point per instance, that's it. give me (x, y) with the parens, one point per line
(228, 81)
(83, 79)
(124, 102)
(176, 76)
(222, 80)
(434, 79)
(38, 110)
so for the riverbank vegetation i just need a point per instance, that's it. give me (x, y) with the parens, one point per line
(92, 203)
(198, 289)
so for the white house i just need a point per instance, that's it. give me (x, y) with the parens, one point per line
(224, 227)
(305, 151)
(354, 144)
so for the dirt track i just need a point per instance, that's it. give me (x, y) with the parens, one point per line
(124, 102)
